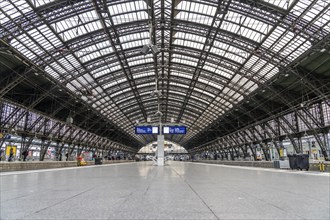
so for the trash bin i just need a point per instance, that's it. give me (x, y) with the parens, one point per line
(303, 162)
(79, 159)
(98, 161)
(293, 161)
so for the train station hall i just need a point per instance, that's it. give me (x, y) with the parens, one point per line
(164, 109)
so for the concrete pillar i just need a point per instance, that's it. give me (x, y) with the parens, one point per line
(160, 150)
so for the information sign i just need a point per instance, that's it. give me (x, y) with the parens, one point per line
(146, 130)
(174, 130)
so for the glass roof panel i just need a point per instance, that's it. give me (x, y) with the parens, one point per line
(280, 3)
(134, 61)
(39, 3)
(245, 27)
(181, 74)
(100, 71)
(200, 13)
(66, 24)
(135, 36)
(69, 62)
(210, 82)
(130, 17)
(183, 61)
(116, 82)
(322, 20)
(144, 74)
(136, 43)
(191, 37)
(115, 66)
(51, 72)
(25, 48)
(127, 7)
(81, 30)
(188, 43)
(21, 7)
(180, 56)
(83, 81)
(218, 69)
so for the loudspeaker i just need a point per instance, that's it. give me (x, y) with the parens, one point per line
(145, 49)
(154, 49)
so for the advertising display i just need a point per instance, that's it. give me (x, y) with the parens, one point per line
(11, 149)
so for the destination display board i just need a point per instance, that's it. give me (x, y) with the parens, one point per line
(146, 130)
(174, 130)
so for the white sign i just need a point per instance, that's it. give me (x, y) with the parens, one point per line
(166, 130)
(155, 130)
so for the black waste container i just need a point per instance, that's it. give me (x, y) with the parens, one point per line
(303, 161)
(98, 161)
(293, 161)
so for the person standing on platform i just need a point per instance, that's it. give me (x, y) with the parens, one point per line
(1, 152)
(11, 154)
(25, 154)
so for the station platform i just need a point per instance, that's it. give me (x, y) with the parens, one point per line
(179, 190)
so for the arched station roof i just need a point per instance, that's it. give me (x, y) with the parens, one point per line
(214, 56)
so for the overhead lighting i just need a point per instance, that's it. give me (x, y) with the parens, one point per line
(322, 50)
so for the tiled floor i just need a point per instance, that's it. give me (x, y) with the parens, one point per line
(176, 191)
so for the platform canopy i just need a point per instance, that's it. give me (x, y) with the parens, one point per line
(223, 64)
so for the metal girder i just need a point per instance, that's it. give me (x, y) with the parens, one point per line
(310, 81)
(287, 20)
(40, 15)
(266, 12)
(44, 93)
(105, 19)
(11, 82)
(275, 129)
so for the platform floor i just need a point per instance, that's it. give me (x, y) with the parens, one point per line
(177, 191)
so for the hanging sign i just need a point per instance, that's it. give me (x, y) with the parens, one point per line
(146, 130)
(174, 130)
